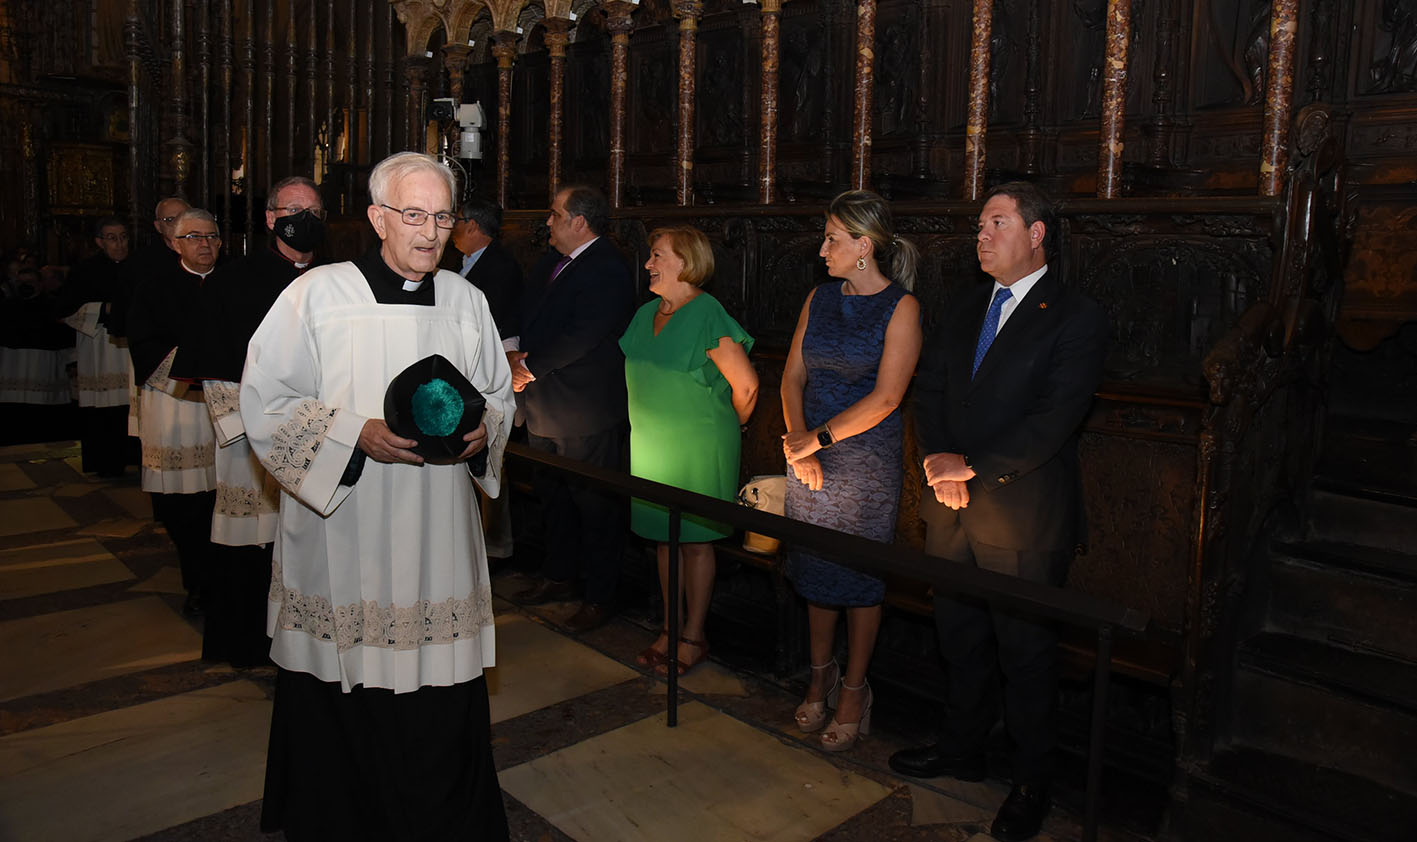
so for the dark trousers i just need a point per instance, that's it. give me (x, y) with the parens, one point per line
(979, 641)
(584, 528)
(188, 519)
(238, 585)
(106, 446)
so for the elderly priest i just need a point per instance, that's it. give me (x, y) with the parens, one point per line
(380, 610)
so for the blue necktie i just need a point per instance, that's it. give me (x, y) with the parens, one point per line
(990, 328)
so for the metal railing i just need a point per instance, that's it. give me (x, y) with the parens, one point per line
(875, 558)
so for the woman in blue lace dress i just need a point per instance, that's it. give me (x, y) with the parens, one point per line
(852, 357)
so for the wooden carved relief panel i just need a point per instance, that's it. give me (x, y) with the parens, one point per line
(587, 112)
(1169, 298)
(653, 92)
(718, 115)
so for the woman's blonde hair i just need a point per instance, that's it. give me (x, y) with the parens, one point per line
(865, 214)
(691, 246)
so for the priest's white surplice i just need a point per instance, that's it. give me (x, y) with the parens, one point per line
(105, 367)
(385, 583)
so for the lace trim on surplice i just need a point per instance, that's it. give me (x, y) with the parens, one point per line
(244, 501)
(370, 623)
(108, 382)
(223, 398)
(159, 458)
(295, 443)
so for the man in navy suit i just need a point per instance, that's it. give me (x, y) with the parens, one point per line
(569, 376)
(486, 264)
(1002, 392)
(478, 255)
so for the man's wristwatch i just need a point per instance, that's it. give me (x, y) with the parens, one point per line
(824, 437)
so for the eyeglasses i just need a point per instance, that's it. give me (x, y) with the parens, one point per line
(318, 213)
(417, 216)
(167, 220)
(115, 238)
(194, 237)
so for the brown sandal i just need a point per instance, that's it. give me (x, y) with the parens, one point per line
(651, 657)
(684, 666)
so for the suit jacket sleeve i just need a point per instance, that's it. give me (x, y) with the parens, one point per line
(1059, 408)
(931, 387)
(602, 300)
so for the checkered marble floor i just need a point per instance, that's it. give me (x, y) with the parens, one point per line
(105, 703)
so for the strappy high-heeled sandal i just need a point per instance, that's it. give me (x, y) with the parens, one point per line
(841, 736)
(685, 665)
(810, 716)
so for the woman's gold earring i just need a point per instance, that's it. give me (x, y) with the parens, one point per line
(861, 264)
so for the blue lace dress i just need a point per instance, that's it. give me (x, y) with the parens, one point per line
(861, 475)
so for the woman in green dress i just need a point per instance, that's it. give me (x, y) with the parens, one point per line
(690, 386)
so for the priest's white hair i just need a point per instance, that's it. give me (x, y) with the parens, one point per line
(403, 164)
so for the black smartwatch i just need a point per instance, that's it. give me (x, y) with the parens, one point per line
(824, 437)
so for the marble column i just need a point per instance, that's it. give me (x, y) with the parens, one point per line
(504, 47)
(619, 24)
(767, 154)
(976, 126)
(865, 93)
(1114, 99)
(1278, 96)
(688, 12)
(557, 37)
(415, 69)
(455, 58)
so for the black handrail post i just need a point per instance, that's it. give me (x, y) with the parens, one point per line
(1100, 679)
(671, 617)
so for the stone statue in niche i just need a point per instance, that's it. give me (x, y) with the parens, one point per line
(1396, 69)
(720, 115)
(895, 79)
(802, 78)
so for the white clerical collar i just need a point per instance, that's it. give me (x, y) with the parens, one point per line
(191, 271)
(411, 286)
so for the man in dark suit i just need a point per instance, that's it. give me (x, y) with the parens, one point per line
(486, 264)
(1001, 394)
(492, 269)
(569, 376)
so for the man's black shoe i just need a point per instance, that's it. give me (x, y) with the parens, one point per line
(1021, 816)
(546, 590)
(930, 762)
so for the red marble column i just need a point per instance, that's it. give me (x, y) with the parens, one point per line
(504, 47)
(1114, 99)
(688, 12)
(455, 62)
(865, 93)
(416, 70)
(767, 154)
(976, 128)
(619, 23)
(557, 37)
(1278, 96)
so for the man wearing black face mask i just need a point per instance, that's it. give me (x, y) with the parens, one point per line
(234, 301)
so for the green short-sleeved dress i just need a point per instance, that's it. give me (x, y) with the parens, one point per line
(683, 430)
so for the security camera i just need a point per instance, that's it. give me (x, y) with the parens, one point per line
(441, 109)
(471, 120)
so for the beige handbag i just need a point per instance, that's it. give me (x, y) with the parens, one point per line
(766, 493)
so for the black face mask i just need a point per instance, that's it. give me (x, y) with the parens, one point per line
(301, 231)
